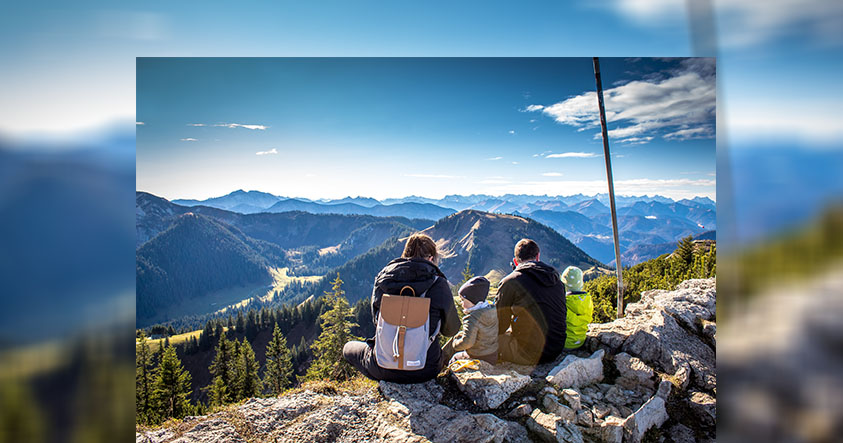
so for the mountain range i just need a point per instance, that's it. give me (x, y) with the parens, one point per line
(646, 223)
(187, 254)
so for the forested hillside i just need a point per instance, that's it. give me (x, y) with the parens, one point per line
(691, 259)
(197, 255)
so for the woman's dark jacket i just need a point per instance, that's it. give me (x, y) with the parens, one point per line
(419, 274)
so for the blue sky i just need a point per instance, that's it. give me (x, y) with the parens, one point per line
(84, 52)
(393, 127)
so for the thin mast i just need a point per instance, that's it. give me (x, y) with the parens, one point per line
(608, 157)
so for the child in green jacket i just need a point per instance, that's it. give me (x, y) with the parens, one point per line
(579, 307)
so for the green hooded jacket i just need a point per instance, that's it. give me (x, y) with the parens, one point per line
(580, 310)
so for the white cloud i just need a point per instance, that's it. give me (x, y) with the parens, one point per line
(684, 101)
(140, 123)
(238, 125)
(637, 140)
(514, 163)
(189, 139)
(431, 176)
(272, 151)
(690, 134)
(552, 174)
(532, 108)
(572, 155)
(494, 158)
(196, 124)
(511, 132)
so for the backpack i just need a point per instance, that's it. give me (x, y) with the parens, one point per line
(402, 336)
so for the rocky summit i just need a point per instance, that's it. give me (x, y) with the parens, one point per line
(649, 376)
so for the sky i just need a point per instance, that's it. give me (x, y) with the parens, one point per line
(68, 54)
(393, 127)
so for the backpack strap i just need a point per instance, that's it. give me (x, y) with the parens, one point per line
(439, 323)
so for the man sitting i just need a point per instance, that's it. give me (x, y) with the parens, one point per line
(531, 300)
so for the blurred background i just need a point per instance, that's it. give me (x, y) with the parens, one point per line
(67, 178)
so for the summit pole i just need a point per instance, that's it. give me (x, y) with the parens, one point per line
(607, 155)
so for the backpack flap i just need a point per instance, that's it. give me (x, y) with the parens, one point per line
(400, 314)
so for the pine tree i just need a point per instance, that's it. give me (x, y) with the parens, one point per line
(328, 361)
(685, 250)
(467, 274)
(241, 322)
(205, 342)
(218, 392)
(248, 381)
(222, 368)
(171, 388)
(251, 325)
(143, 381)
(279, 363)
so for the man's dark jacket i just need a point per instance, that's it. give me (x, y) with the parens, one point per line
(532, 300)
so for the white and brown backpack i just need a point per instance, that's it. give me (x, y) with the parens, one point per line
(402, 337)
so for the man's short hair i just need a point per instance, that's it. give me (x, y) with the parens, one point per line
(526, 249)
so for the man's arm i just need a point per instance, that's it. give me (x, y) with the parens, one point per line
(503, 307)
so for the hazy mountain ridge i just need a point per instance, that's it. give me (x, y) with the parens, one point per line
(644, 221)
(288, 230)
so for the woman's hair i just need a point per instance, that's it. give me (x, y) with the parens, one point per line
(420, 246)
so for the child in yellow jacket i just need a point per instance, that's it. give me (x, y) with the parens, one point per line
(579, 306)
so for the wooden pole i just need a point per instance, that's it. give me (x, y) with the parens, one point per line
(607, 155)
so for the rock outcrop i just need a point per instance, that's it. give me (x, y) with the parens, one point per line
(489, 386)
(653, 369)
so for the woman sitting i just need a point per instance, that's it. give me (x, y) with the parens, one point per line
(417, 270)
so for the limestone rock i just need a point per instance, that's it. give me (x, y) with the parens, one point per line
(515, 433)
(680, 433)
(573, 398)
(551, 428)
(551, 405)
(428, 392)
(610, 431)
(615, 396)
(704, 408)
(709, 329)
(438, 423)
(585, 418)
(520, 411)
(661, 328)
(576, 372)
(210, 431)
(489, 386)
(651, 414)
(633, 371)
(600, 410)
